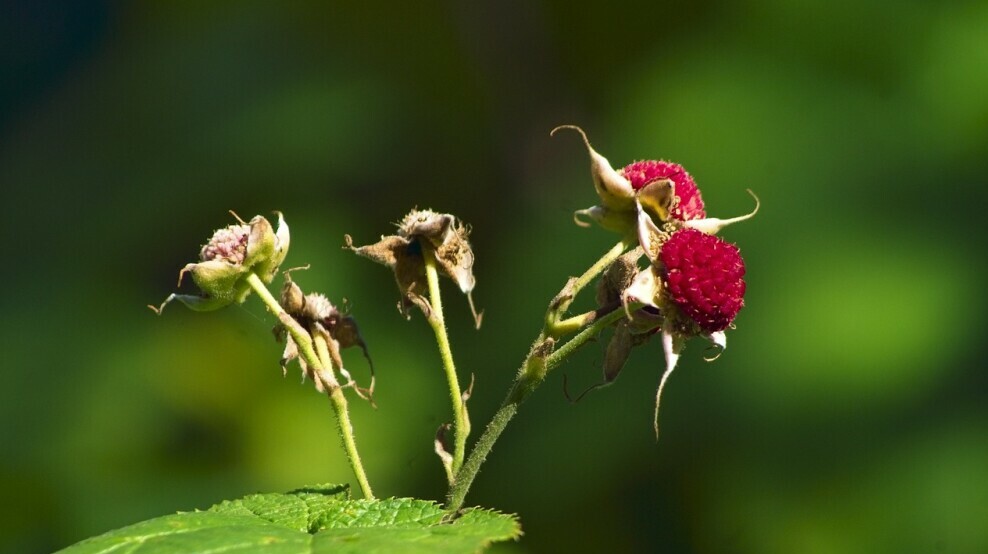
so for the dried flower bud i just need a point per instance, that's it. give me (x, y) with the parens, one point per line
(228, 258)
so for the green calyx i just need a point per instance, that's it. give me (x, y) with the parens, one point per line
(228, 258)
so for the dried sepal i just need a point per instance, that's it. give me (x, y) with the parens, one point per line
(404, 258)
(291, 354)
(441, 447)
(343, 328)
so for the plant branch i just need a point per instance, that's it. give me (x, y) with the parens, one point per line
(324, 373)
(590, 332)
(539, 361)
(556, 328)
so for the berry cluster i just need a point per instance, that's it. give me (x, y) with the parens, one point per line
(694, 284)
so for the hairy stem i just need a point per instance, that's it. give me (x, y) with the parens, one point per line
(307, 349)
(339, 403)
(590, 332)
(556, 328)
(461, 420)
(533, 370)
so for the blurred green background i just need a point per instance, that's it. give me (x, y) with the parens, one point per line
(848, 414)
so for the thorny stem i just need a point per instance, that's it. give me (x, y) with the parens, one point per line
(533, 370)
(305, 346)
(461, 420)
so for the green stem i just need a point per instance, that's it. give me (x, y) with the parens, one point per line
(556, 328)
(478, 455)
(590, 332)
(461, 421)
(305, 345)
(339, 402)
(602, 264)
(301, 336)
(534, 369)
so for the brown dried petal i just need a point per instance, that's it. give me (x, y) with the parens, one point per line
(455, 257)
(385, 251)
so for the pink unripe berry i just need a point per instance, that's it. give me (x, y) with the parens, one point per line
(705, 278)
(690, 204)
(228, 244)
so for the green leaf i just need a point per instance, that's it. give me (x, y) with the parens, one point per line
(312, 520)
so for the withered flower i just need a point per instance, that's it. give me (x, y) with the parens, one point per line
(228, 258)
(317, 315)
(424, 233)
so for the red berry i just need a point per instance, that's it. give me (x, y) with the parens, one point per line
(705, 278)
(690, 202)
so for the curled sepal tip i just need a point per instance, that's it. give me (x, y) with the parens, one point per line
(718, 343)
(194, 303)
(671, 346)
(614, 190)
(713, 225)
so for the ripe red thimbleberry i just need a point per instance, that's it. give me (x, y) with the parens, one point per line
(705, 278)
(644, 172)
